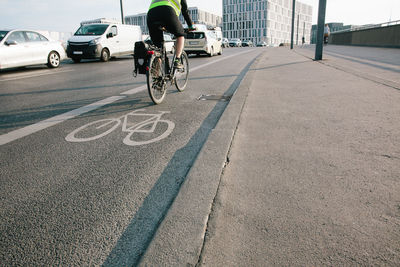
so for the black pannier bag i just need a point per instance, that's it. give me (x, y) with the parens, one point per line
(140, 57)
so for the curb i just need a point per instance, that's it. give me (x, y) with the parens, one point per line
(180, 236)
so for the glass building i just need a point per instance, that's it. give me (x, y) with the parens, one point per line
(266, 20)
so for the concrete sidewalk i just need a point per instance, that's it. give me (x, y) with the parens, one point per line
(312, 176)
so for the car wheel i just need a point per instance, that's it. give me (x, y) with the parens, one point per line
(53, 60)
(211, 52)
(220, 51)
(105, 55)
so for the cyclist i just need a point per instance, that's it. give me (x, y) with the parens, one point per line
(167, 13)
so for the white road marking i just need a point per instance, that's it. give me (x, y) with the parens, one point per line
(31, 74)
(151, 120)
(14, 135)
(19, 133)
(135, 90)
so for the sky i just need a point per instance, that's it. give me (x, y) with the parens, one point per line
(65, 16)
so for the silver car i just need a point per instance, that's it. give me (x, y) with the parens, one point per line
(20, 48)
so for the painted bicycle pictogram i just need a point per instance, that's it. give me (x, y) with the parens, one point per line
(135, 129)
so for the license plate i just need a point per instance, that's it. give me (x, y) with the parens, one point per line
(193, 43)
(78, 53)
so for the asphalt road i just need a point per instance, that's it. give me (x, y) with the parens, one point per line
(70, 199)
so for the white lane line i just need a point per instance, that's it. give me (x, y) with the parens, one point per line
(135, 90)
(26, 75)
(144, 87)
(14, 135)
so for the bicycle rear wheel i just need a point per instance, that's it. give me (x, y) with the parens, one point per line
(181, 76)
(156, 84)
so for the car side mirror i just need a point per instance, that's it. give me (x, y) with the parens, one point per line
(10, 43)
(110, 35)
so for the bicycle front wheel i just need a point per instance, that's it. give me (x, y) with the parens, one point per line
(182, 75)
(156, 84)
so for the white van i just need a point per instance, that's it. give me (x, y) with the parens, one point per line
(103, 40)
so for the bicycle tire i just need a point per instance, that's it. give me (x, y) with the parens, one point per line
(156, 84)
(182, 76)
(71, 137)
(170, 127)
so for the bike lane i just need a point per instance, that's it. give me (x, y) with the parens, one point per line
(95, 202)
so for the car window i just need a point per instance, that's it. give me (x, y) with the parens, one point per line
(17, 37)
(33, 37)
(195, 35)
(3, 34)
(92, 29)
(43, 38)
(114, 30)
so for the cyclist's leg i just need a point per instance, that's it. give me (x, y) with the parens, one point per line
(174, 26)
(180, 42)
(156, 34)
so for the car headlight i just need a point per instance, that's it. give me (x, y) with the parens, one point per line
(94, 41)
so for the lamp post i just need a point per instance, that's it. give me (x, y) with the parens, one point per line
(320, 30)
(297, 35)
(122, 12)
(293, 14)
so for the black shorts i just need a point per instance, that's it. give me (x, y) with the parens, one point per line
(167, 17)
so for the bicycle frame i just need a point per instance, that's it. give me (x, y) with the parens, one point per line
(170, 72)
(159, 72)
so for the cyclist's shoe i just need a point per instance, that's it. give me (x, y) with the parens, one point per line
(178, 64)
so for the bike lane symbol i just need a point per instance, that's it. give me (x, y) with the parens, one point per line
(147, 125)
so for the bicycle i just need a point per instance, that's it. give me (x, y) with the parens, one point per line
(100, 128)
(159, 73)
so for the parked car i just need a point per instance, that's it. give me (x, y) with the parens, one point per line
(168, 43)
(262, 43)
(103, 41)
(235, 42)
(19, 48)
(205, 41)
(247, 43)
(225, 42)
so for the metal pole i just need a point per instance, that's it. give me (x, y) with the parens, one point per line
(122, 13)
(297, 36)
(293, 14)
(320, 30)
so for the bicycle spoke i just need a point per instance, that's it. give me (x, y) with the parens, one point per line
(155, 80)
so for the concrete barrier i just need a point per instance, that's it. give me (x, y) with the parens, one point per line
(388, 36)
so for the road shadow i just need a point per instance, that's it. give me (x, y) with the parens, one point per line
(139, 233)
(68, 89)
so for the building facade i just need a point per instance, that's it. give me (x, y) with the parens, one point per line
(198, 17)
(267, 21)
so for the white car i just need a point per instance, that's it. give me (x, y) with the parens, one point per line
(20, 48)
(199, 42)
